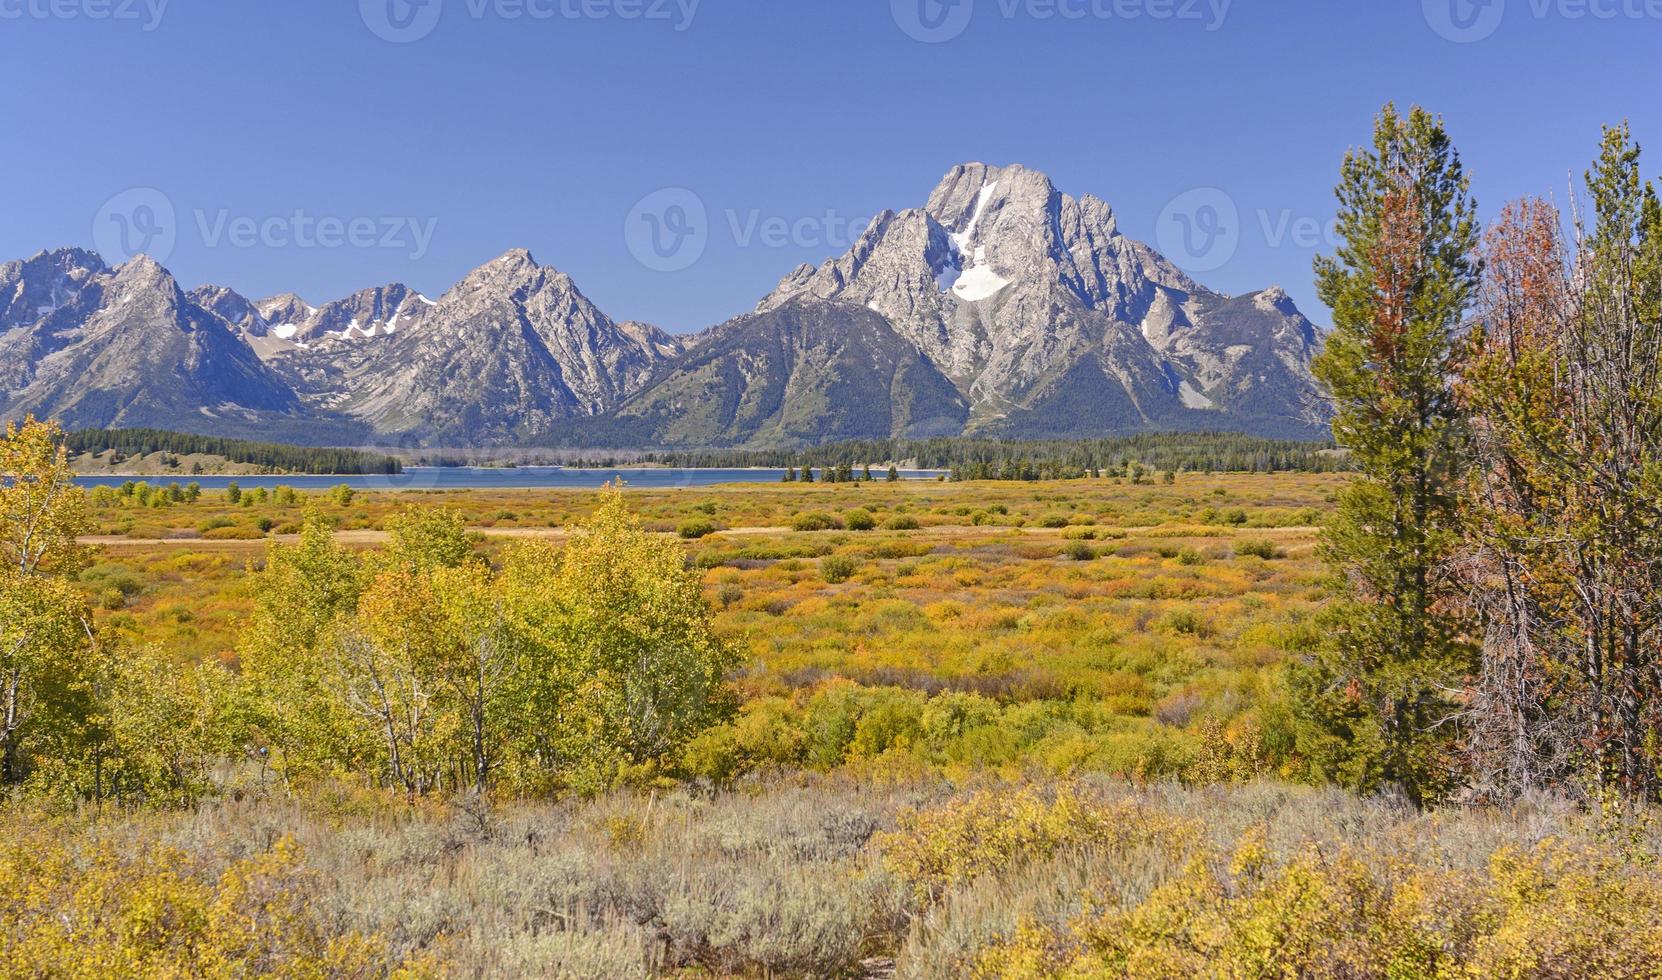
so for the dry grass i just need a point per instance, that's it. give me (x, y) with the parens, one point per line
(812, 877)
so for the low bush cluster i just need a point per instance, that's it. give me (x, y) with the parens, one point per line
(837, 877)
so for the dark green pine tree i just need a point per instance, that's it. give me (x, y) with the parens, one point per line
(1376, 708)
(894, 474)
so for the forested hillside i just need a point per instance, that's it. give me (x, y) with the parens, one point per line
(274, 457)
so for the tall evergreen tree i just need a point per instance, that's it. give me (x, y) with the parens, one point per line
(1376, 707)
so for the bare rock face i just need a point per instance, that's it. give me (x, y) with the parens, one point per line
(1025, 297)
(509, 351)
(365, 315)
(807, 371)
(232, 307)
(1000, 306)
(37, 287)
(130, 349)
(31, 291)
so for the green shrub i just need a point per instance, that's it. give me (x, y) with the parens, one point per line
(1079, 551)
(859, 520)
(837, 569)
(815, 522)
(695, 528)
(1186, 622)
(901, 522)
(1266, 550)
(893, 723)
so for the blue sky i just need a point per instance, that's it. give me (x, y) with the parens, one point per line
(326, 146)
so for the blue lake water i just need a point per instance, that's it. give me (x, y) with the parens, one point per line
(470, 478)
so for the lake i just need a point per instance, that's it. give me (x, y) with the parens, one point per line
(473, 478)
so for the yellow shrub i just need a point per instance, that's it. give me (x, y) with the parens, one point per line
(1553, 912)
(995, 830)
(105, 910)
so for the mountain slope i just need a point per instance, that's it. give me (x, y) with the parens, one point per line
(801, 373)
(509, 351)
(130, 349)
(1017, 292)
(1001, 306)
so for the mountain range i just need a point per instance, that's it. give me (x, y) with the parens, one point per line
(1001, 307)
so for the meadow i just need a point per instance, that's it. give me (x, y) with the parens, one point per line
(983, 729)
(1091, 623)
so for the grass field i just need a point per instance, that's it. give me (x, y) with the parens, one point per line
(837, 877)
(985, 729)
(1094, 624)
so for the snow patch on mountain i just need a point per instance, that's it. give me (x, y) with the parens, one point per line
(979, 281)
(964, 238)
(972, 279)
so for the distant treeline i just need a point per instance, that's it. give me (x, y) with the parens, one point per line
(1046, 459)
(267, 455)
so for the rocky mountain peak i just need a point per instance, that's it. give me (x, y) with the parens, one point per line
(512, 264)
(232, 307)
(514, 271)
(38, 286)
(1276, 299)
(285, 308)
(73, 263)
(1013, 289)
(143, 270)
(1000, 305)
(140, 291)
(131, 349)
(509, 352)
